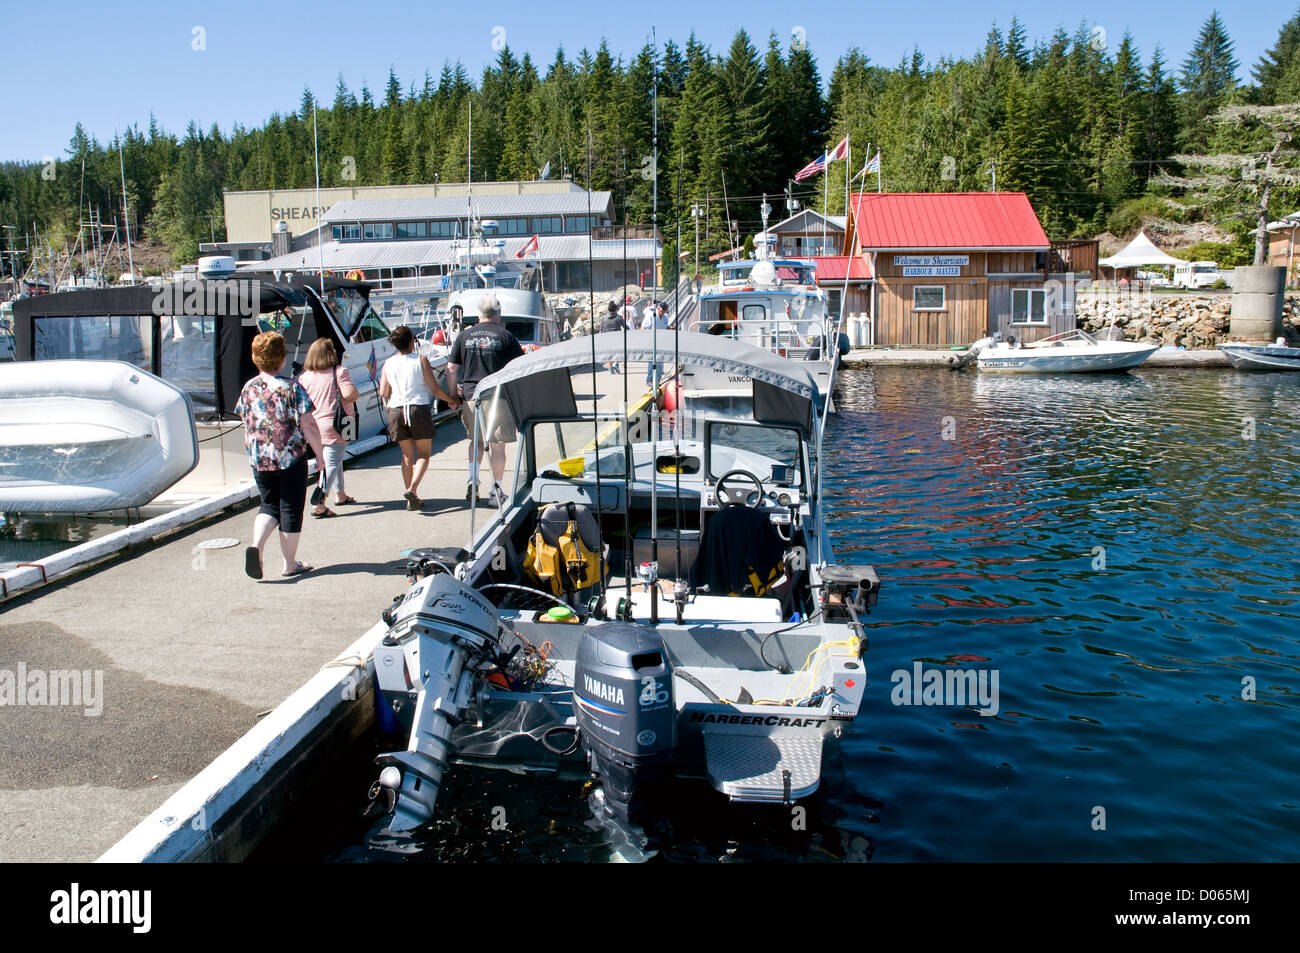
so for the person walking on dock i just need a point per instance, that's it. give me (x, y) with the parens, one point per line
(329, 385)
(613, 322)
(278, 429)
(408, 387)
(478, 351)
(656, 316)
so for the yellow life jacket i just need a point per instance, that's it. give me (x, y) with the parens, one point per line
(566, 566)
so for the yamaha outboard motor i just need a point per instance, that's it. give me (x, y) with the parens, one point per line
(439, 633)
(623, 701)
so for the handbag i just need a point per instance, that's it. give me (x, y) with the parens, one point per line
(345, 424)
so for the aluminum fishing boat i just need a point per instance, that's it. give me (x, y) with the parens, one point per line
(1263, 357)
(657, 600)
(1070, 352)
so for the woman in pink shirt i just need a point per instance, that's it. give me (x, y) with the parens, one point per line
(325, 383)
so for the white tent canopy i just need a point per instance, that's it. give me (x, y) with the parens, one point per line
(1140, 251)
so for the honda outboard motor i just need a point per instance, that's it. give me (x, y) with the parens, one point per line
(623, 701)
(438, 634)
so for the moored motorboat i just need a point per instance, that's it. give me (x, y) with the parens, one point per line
(646, 606)
(1070, 352)
(90, 436)
(1263, 357)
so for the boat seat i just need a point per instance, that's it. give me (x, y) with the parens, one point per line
(741, 553)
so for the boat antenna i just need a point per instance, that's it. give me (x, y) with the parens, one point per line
(654, 337)
(315, 146)
(726, 208)
(595, 389)
(126, 215)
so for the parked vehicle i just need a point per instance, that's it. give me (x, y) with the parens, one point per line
(1196, 274)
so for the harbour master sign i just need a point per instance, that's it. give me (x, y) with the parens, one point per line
(931, 266)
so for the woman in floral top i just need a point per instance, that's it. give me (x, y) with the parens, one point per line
(278, 428)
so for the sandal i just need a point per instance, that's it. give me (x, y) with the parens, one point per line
(323, 514)
(298, 569)
(412, 501)
(348, 501)
(253, 562)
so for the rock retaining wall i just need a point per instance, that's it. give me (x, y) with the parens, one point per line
(1182, 320)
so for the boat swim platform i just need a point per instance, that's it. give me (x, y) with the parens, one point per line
(938, 357)
(193, 654)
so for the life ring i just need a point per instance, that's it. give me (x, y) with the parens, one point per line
(356, 275)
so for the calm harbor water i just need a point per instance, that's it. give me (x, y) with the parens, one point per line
(1119, 550)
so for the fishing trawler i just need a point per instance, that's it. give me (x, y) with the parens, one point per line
(771, 303)
(658, 599)
(438, 311)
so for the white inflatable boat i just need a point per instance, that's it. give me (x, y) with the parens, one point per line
(90, 436)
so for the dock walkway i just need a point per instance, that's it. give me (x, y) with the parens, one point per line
(192, 652)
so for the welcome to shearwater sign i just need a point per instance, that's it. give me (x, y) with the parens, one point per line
(931, 266)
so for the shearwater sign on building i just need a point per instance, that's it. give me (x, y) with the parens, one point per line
(931, 266)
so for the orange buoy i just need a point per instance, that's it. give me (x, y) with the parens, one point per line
(672, 395)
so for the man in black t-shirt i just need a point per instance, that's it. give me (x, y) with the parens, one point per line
(478, 351)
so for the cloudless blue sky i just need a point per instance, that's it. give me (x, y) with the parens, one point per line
(108, 65)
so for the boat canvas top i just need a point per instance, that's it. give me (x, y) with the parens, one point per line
(539, 385)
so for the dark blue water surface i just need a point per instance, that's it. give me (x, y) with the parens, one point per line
(1120, 550)
(1121, 688)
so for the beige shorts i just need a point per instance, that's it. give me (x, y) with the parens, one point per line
(504, 432)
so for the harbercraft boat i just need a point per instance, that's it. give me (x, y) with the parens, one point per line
(1262, 357)
(658, 600)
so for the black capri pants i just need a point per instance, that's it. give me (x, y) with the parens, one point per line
(284, 494)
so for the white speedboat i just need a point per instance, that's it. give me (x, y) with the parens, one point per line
(1070, 352)
(1263, 357)
(90, 436)
(643, 608)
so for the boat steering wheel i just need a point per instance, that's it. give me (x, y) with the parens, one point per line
(753, 499)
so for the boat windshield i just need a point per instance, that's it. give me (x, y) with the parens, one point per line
(770, 453)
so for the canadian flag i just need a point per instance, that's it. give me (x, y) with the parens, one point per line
(530, 246)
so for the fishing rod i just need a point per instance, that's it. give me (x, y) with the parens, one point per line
(629, 570)
(595, 416)
(678, 583)
(654, 348)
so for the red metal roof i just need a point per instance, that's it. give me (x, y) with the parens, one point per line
(948, 220)
(832, 268)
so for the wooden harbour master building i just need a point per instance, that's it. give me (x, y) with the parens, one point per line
(950, 268)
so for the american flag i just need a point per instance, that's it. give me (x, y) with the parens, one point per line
(822, 161)
(372, 363)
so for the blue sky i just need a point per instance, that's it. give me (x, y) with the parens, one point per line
(106, 66)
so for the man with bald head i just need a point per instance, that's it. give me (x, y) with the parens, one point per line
(479, 350)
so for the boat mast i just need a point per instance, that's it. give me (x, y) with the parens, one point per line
(315, 145)
(126, 214)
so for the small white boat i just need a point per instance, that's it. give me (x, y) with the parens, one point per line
(1070, 352)
(90, 436)
(1263, 357)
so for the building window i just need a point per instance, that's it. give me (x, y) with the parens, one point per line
(378, 231)
(929, 298)
(1028, 306)
(513, 226)
(345, 233)
(578, 224)
(573, 275)
(412, 229)
(551, 225)
(443, 229)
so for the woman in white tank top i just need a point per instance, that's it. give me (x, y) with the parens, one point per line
(408, 387)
